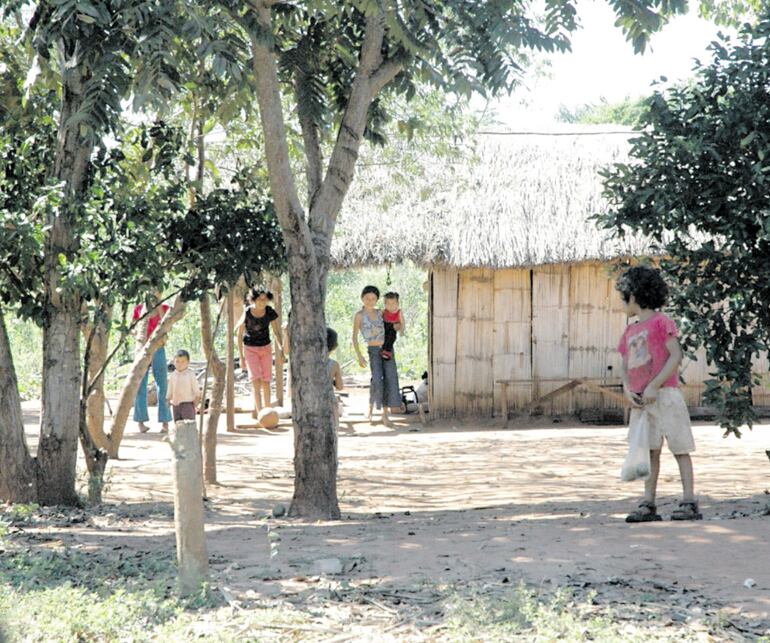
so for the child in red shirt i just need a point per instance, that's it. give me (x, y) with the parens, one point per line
(651, 359)
(393, 320)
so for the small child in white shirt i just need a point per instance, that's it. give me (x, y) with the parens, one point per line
(183, 391)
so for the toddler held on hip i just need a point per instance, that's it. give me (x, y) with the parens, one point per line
(394, 323)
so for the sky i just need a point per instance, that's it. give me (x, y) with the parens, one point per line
(602, 64)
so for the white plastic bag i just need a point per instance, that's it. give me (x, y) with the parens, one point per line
(637, 463)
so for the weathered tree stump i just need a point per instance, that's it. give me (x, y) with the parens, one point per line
(191, 553)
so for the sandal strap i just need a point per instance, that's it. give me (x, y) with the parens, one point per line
(646, 504)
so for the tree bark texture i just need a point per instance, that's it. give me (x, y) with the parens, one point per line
(18, 479)
(142, 361)
(230, 377)
(92, 405)
(312, 398)
(60, 416)
(98, 335)
(277, 289)
(308, 244)
(191, 553)
(216, 369)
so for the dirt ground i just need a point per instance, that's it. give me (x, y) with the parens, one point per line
(457, 503)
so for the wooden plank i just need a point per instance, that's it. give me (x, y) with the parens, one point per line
(594, 333)
(550, 329)
(474, 383)
(444, 291)
(512, 357)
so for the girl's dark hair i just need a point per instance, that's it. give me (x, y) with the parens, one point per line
(645, 284)
(331, 339)
(183, 353)
(391, 295)
(370, 289)
(255, 293)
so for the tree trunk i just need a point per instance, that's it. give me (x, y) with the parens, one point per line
(276, 288)
(96, 459)
(216, 368)
(230, 378)
(18, 479)
(92, 438)
(315, 437)
(60, 416)
(141, 363)
(98, 334)
(308, 243)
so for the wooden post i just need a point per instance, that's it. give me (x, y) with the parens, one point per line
(191, 554)
(230, 374)
(504, 403)
(275, 288)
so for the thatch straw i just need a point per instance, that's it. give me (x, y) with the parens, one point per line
(515, 201)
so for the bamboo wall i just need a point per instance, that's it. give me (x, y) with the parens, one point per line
(545, 326)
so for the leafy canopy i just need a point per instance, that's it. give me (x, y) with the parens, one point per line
(697, 185)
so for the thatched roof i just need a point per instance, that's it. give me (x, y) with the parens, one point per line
(511, 201)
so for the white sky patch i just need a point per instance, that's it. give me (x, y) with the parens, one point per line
(602, 64)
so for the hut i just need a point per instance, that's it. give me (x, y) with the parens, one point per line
(522, 298)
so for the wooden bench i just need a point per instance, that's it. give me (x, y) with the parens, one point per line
(595, 385)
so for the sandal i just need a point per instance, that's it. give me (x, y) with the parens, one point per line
(688, 510)
(646, 512)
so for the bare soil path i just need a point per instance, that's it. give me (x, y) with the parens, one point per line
(458, 503)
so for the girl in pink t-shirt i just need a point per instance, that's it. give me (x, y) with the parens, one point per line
(651, 359)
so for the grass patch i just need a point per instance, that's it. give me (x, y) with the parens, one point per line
(65, 594)
(524, 614)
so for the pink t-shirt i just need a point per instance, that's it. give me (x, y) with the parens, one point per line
(644, 346)
(152, 322)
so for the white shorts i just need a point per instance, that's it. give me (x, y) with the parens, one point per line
(668, 417)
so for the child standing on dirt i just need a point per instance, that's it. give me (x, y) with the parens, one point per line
(651, 358)
(393, 320)
(183, 391)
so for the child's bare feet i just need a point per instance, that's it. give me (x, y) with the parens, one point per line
(143, 428)
(164, 428)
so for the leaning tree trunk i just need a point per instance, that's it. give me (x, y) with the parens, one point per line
(217, 369)
(97, 333)
(315, 436)
(18, 480)
(141, 363)
(92, 437)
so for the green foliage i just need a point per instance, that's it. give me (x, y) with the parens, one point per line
(627, 112)
(226, 234)
(697, 185)
(730, 12)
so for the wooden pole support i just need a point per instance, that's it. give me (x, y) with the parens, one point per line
(191, 553)
(504, 402)
(276, 289)
(230, 374)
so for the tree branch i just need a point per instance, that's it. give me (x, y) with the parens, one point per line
(339, 173)
(386, 72)
(313, 157)
(282, 184)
